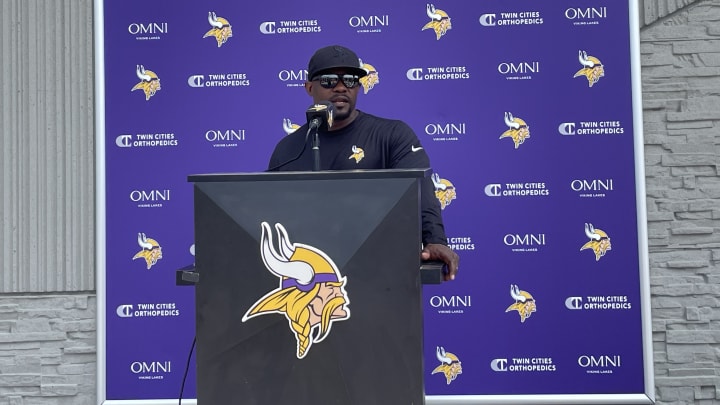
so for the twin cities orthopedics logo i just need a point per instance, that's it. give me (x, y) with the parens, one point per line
(450, 365)
(592, 68)
(523, 189)
(609, 127)
(592, 188)
(302, 26)
(524, 243)
(447, 131)
(151, 370)
(586, 15)
(149, 82)
(369, 24)
(150, 250)
(460, 243)
(598, 303)
(451, 304)
(524, 303)
(523, 70)
(311, 292)
(511, 18)
(150, 198)
(439, 21)
(438, 73)
(444, 190)
(148, 310)
(218, 80)
(523, 364)
(518, 130)
(156, 140)
(221, 29)
(599, 241)
(148, 31)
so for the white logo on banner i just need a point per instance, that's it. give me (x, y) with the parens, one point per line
(290, 27)
(511, 19)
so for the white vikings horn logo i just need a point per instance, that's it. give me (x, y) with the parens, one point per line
(311, 293)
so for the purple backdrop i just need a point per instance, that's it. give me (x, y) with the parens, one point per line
(521, 202)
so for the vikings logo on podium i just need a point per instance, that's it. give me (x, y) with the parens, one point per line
(599, 241)
(451, 366)
(311, 292)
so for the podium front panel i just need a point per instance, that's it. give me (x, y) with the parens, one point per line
(369, 229)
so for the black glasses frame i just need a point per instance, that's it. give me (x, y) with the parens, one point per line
(329, 81)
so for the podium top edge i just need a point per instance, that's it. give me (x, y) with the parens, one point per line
(319, 175)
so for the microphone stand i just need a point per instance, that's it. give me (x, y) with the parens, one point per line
(315, 145)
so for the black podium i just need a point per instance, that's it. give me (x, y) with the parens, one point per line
(309, 288)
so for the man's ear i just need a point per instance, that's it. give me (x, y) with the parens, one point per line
(308, 87)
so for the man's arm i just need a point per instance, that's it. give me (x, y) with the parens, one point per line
(407, 153)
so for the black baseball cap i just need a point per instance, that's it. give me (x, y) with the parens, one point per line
(332, 57)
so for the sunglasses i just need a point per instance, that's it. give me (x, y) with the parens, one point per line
(329, 81)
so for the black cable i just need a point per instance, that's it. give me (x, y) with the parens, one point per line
(187, 367)
(307, 135)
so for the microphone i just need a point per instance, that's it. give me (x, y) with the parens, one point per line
(319, 116)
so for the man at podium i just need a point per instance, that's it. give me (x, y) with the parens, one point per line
(351, 139)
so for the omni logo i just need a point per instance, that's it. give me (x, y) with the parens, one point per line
(152, 367)
(291, 75)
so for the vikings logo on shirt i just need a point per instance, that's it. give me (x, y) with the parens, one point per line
(524, 303)
(450, 365)
(221, 29)
(149, 82)
(518, 130)
(372, 78)
(289, 127)
(599, 241)
(439, 21)
(444, 190)
(151, 250)
(311, 292)
(357, 153)
(592, 69)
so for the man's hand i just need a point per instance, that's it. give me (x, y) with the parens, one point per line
(436, 251)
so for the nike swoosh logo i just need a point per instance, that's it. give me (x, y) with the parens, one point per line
(415, 148)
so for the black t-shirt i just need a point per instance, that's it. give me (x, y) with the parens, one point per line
(369, 142)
